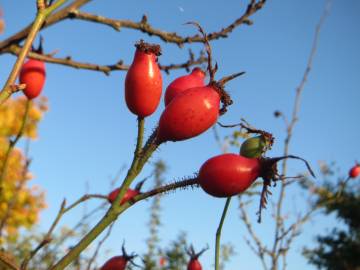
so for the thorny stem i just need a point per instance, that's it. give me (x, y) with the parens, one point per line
(218, 234)
(140, 136)
(111, 216)
(132, 172)
(101, 242)
(12, 144)
(139, 160)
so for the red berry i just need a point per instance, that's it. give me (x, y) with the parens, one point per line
(189, 114)
(115, 263)
(354, 171)
(119, 262)
(194, 79)
(33, 75)
(228, 174)
(194, 264)
(143, 82)
(162, 261)
(130, 193)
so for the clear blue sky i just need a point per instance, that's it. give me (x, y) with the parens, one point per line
(88, 134)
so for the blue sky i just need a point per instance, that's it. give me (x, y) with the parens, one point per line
(88, 134)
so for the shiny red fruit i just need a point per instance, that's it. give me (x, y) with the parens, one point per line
(130, 193)
(194, 79)
(115, 263)
(143, 82)
(191, 113)
(354, 171)
(228, 174)
(194, 264)
(33, 75)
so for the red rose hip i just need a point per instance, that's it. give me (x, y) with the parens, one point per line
(228, 174)
(143, 82)
(354, 171)
(194, 79)
(189, 114)
(130, 193)
(33, 75)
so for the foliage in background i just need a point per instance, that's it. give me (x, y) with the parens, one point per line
(19, 204)
(340, 248)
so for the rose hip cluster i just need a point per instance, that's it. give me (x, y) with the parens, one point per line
(191, 107)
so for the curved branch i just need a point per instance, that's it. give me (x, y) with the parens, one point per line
(170, 37)
(106, 69)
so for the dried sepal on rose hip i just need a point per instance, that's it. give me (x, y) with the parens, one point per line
(33, 74)
(119, 262)
(231, 174)
(195, 110)
(143, 82)
(194, 263)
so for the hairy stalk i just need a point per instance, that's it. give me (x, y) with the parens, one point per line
(132, 172)
(218, 234)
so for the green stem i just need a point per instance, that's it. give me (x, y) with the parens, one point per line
(140, 136)
(41, 16)
(12, 145)
(218, 234)
(132, 172)
(139, 160)
(54, 6)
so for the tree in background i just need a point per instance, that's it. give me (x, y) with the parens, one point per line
(339, 249)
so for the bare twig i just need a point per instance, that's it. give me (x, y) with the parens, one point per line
(278, 219)
(47, 238)
(170, 37)
(119, 66)
(261, 248)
